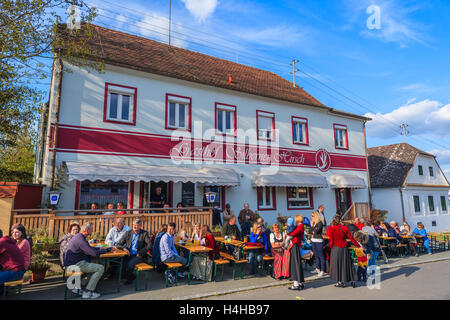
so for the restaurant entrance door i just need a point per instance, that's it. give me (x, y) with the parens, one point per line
(343, 199)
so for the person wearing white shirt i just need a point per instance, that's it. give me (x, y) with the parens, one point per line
(110, 207)
(116, 233)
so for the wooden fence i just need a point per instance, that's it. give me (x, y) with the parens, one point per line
(58, 225)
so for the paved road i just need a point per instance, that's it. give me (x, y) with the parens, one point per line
(425, 282)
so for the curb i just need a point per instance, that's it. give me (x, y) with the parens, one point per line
(286, 282)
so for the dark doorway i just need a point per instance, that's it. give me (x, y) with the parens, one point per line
(343, 199)
(151, 186)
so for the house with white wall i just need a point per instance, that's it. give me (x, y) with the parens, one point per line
(191, 123)
(410, 185)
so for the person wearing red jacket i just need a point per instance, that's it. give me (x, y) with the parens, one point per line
(296, 269)
(12, 263)
(341, 264)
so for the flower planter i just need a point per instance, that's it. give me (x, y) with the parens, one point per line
(39, 274)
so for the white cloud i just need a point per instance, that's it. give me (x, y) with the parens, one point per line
(276, 36)
(201, 9)
(423, 117)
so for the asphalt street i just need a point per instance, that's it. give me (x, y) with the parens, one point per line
(430, 281)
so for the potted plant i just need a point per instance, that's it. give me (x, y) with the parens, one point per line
(39, 265)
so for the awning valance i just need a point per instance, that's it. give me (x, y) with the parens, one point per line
(134, 172)
(347, 181)
(288, 179)
(225, 176)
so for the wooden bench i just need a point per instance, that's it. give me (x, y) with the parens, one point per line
(11, 284)
(142, 267)
(269, 260)
(235, 262)
(73, 274)
(172, 266)
(220, 262)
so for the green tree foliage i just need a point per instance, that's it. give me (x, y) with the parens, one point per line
(30, 38)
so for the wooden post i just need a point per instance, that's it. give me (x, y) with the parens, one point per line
(210, 218)
(51, 223)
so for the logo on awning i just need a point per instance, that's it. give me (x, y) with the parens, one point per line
(323, 160)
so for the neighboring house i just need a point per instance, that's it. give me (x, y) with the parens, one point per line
(409, 184)
(114, 134)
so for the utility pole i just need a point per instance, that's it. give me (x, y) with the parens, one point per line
(404, 131)
(294, 71)
(170, 19)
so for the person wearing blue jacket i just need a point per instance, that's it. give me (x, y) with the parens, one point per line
(156, 253)
(420, 230)
(255, 256)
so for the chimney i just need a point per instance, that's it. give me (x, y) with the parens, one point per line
(229, 79)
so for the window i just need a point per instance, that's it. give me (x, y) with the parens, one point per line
(103, 193)
(266, 198)
(178, 112)
(225, 119)
(431, 171)
(340, 136)
(420, 171)
(416, 203)
(431, 203)
(443, 203)
(120, 104)
(299, 198)
(300, 131)
(265, 124)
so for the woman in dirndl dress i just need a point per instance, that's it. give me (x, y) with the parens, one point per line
(342, 269)
(296, 268)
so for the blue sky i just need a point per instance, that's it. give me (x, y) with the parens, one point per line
(396, 74)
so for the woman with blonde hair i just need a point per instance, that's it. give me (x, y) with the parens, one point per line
(316, 230)
(257, 238)
(196, 234)
(296, 268)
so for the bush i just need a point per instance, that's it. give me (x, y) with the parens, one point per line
(378, 215)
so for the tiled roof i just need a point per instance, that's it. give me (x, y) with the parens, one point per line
(389, 165)
(133, 52)
(8, 189)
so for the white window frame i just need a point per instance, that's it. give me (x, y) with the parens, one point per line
(120, 91)
(446, 204)
(263, 194)
(295, 127)
(342, 129)
(434, 207)
(262, 114)
(308, 198)
(178, 101)
(225, 109)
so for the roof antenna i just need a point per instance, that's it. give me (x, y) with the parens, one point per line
(170, 19)
(404, 132)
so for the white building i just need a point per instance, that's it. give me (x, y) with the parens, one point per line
(113, 131)
(409, 184)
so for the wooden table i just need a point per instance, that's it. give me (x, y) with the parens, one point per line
(113, 257)
(194, 249)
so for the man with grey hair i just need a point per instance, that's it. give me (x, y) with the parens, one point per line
(78, 254)
(136, 243)
(117, 232)
(246, 219)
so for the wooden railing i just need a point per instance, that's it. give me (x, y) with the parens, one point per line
(57, 226)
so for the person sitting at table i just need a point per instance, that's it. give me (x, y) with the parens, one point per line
(394, 225)
(169, 253)
(136, 243)
(156, 253)
(196, 234)
(180, 207)
(78, 254)
(74, 228)
(266, 230)
(408, 238)
(121, 206)
(117, 232)
(420, 231)
(94, 206)
(183, 232)
(255, 256)
(19, 234)
(109, 206)
(197, 270)
(12, 262)
(166, 207)
(230, 229)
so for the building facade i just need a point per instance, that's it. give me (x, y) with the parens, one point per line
(410, 185)
(160, 116)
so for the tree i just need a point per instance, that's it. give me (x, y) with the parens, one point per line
(30, 38)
